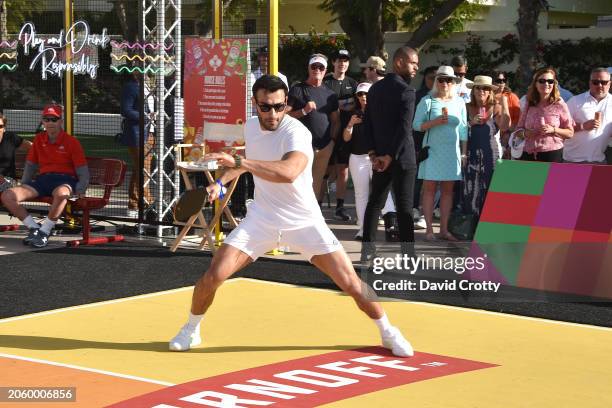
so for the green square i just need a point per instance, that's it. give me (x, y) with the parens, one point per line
(520, 177)
(504, 245)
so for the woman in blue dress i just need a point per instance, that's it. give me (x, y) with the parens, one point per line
(487, 117)
(443, 117)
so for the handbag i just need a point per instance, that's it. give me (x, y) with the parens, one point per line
(462, 225)
(424, 152)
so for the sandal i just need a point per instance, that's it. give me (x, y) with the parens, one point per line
(448, 237)
(430, 237)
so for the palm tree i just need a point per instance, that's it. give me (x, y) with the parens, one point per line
(527, 26)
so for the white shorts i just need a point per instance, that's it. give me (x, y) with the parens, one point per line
(255, 238)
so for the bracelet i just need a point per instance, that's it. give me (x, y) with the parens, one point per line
(221, 192)
(238, 161)
(350, 129)
(304, 112)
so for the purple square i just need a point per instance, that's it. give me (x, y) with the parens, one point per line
(563, 195)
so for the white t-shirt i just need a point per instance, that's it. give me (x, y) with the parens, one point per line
(286, 205)
(589, 145)
(463, 91)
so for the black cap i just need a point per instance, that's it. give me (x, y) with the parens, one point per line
(263, 50)
(341, 54)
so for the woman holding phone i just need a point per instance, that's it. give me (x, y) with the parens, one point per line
(360, 165)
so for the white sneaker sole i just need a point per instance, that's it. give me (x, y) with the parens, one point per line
(176, 346)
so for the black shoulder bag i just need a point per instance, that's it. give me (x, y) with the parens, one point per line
(424, 152)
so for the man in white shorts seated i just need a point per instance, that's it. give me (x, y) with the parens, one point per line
(279, 155)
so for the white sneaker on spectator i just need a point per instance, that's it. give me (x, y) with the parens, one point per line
(186, 338)
(420, 223)
(131, 213)
(436, 213)
(394, 341)
(416, 214)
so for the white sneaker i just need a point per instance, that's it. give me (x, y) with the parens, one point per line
(436, 213)
(416, 214)
(399, 346)
(185, 339)
(420, 223)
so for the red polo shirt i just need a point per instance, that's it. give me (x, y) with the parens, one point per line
(63, 156)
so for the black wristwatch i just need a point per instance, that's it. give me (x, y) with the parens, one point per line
(238, 160)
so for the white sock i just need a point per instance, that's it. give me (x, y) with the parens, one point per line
(194, 321)
(30, 223)
(47, 225)
(383, 324)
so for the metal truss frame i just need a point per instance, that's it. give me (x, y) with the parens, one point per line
(164, 181)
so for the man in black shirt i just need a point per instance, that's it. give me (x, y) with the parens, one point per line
(316, 107)
(388, 126)
(9, 143)
(344, 87)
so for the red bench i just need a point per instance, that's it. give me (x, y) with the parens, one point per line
(103, 172)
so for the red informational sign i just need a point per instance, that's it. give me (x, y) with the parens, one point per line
(307, 382)
(215, 81)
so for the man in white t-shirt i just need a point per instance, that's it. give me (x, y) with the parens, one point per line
(460, 67)
(592, 114)
(279, 154)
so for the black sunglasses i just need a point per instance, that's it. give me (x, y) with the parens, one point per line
(50, 119)
(266, 107)
(481, 88)
(460, 74)
(597, 82)
(361, 93)
(1, 126)
(499, 81)
(546, 81)
(317, 67)
(446, 79)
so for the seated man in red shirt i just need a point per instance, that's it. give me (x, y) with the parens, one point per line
(63, 172)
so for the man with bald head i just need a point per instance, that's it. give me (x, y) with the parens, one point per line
(388, 127)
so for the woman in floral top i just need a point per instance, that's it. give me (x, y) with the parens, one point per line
(545, 120)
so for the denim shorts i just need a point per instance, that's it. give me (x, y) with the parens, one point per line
(46, 183)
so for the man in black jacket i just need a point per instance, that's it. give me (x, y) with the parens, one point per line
(388, 126)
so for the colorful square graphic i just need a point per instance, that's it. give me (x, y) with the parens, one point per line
(549, 227)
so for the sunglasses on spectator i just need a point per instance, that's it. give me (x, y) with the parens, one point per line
(278, 107)
(317, 67)
(481, 88)
(50, 119)
(361, 93)
(460, 74)
(546, 81)
(1, 126)
(597, 82)
(446, 79)
(499, 81)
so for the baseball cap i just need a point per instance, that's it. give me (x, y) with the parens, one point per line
(375, 62)
(52, 110)
(317, 59)
(262, 50)
(341, 54)
(363, 87)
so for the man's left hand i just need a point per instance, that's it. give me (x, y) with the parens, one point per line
(383, 162)
(223, 159)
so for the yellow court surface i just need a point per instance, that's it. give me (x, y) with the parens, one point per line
(273, 334)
